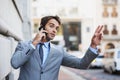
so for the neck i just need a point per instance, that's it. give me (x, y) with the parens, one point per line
(44, 40)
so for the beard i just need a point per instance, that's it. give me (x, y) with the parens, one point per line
(48, 38)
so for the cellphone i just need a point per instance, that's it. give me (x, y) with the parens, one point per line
(44, 32)
(43, 29)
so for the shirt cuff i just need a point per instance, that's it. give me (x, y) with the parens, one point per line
(32, 45)
(94, 50)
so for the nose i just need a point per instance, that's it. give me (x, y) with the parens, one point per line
(55, 31)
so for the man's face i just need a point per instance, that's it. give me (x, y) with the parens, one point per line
(52, 27)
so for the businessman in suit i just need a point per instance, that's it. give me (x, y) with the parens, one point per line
(39, 59)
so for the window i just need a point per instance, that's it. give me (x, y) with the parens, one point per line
(35, 27)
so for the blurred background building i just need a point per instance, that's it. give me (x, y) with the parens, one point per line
(15, 25)
(73, 15)
(79, 20)
(20, 19)
(110, 19)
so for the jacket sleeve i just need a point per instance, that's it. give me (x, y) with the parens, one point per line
(80, 63)
(21, 55)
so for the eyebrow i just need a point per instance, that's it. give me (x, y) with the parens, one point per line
(53, 24)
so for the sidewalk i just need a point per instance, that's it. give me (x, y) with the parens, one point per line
(65, 74)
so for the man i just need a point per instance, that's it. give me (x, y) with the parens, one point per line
(38, 63)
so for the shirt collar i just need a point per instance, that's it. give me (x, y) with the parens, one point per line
(46, 44)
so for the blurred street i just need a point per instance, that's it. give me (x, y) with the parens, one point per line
(89, 74)
(66, 74)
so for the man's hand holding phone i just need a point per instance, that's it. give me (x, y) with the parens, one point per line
(41, 35)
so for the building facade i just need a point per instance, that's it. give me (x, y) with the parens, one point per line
(86, 15)
(15, 25)
(69, 34)
(108, 14)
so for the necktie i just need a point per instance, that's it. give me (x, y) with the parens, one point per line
(41, 52)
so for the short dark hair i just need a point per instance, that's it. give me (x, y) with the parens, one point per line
(45, 19)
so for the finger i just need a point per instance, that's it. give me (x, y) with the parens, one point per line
(100, 29)
(44, 36)
(97, 29)
(44, 31)
(41, 29)
(100, 37)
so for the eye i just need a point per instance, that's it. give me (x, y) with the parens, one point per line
(51, 26)
(57, 28)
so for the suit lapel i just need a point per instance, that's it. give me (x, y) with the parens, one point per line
(37, 55)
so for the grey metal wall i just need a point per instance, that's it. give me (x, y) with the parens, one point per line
(15, 25)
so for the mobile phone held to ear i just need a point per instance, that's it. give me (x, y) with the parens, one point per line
(44, 32)
(43, 29)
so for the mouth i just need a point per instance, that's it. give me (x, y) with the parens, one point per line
(53, 35)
